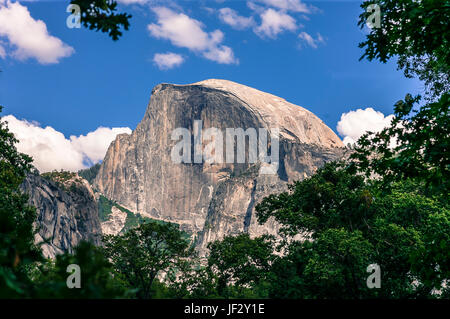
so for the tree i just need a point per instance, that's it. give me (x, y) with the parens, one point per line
(193, 279)
(100, 15)
(90, 174)
(24, 272)
(331, 198)
(417, 33)
(236, 267)
(349, 222)
(333, 265)
(241, 264)
(96, 276)
(17, 249)
(143, 253)
(415, 145)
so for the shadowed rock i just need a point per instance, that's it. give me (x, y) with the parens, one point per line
(66, 214)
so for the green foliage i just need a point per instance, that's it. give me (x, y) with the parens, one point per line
(24, 273)
(63, 179)
(90, 173)
(104, 208)
(134, 220)
(417, 33)
(349, 223)
(17, 249)
(332, 266)
(332, 198)
(423, 146)
(59, 176)
(142, 253)
(100, 15)
(236, 267)
(97, 280)
(240, 263)
(192, 280)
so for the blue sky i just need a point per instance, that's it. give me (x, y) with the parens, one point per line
(106, 83)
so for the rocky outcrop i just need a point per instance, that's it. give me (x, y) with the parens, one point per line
(211, 200)
(67, 213)
(115, 223)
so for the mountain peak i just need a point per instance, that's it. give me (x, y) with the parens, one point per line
(277, 112)
(212, 199)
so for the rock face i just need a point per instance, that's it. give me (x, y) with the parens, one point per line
(115, 223)
(66, 215)
(211, 200)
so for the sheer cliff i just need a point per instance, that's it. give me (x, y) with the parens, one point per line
(212, 199)
(67, 213)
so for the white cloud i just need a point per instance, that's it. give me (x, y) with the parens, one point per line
(287, 5)
(354, 124)
(232, 18)
(274, 22)
(94, 145)
(320, 39)
(133, 1)
(28, 37)
(314, 43)
(2, 52)
(168, 60)
(209, 10)
(254, 7)
(180, 29)
(221, 54)
(51, 150)
(183, 31)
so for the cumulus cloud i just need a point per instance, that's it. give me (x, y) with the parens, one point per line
(222, 54)
(314, 43)
(274, 22)
(354, 124)
(183, 31)
(168, 60)
(233, 19)
(94, 145)
(51, 150)
(287, 5)
(27, 37)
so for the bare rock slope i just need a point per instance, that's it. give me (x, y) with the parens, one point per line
(211, 200)
(67, 213)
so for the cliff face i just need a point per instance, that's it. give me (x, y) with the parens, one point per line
(67, 213)
(211, 200)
